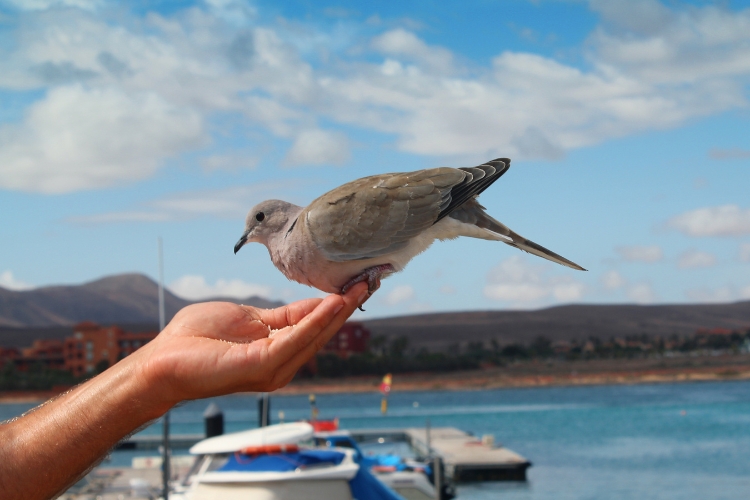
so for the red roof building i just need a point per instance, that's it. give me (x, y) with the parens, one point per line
(93, 345)
(352, 338)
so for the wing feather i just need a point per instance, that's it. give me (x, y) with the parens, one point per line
(378, 215)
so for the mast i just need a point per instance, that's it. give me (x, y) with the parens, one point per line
(165, 466)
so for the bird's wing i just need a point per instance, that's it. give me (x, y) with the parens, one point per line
(481, 178)
(472, 212)
(378, 215)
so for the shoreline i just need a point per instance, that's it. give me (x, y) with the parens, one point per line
(519, 375)
(477, 380)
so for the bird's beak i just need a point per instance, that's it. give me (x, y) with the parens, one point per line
(241, 241)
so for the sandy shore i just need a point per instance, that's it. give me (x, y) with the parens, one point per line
(543, 375)
(525, 374)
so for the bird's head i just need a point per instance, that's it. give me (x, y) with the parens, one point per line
(265, 220)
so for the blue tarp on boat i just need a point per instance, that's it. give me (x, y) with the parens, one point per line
(365, 486)
(281, 462)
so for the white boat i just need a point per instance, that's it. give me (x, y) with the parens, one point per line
(270, 463)
(412, 479)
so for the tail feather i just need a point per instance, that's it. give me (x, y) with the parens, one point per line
(473, 213)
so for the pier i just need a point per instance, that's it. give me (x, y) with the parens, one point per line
(468, 459)
(465, 457)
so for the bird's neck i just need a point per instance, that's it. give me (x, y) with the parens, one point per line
(278, 245)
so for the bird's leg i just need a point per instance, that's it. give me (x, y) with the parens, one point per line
(372, 275)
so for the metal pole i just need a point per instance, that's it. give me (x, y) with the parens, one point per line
(266, 410)
(165, 468)
(428, 437)
(437, 463)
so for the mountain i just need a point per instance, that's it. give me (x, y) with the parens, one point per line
(130, 300)
(121, 299)
(444, 330)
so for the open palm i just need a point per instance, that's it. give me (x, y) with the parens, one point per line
(217, 348)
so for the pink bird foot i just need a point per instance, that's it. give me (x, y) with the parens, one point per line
(372, 275)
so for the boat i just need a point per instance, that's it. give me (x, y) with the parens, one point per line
(412, 479)
(274, 463)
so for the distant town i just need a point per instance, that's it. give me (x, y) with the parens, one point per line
(50, 364)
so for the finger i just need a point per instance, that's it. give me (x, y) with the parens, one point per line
(312, 340)
(287, 315)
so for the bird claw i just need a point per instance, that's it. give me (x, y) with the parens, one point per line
(372, 275)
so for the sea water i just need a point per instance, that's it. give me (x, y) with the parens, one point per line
(663, 441)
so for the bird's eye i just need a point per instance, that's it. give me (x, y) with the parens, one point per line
(260, 216)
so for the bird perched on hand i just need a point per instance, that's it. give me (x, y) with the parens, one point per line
(372, 227)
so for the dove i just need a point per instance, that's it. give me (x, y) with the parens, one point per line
(370, 228)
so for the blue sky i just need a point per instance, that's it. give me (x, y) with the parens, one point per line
(627, 122)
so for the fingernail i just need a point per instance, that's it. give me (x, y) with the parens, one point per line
(338, 308)
(362, 297)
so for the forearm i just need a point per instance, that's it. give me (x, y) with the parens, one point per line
(207, 350)
(47, 450)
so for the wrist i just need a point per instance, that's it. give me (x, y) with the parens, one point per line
(148, 376)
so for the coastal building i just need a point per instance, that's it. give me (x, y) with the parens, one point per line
(92, 346)
(352, 338)
(8, 355)
(47, 353)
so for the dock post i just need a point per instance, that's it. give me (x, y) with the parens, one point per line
(264, 410)
(213, 418)
(437, 466)
(427, 437)
(166, 471)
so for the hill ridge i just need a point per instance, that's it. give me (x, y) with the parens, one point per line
(129, 298)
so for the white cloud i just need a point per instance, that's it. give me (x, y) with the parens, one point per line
(229, 203)
(515, 281)
(400, 42)
(641, 253)
(642, 293)
(696, 258)
(399, 295)
(729, 154)
(700, 183)
(196, 288)
(612, 280)
(235, 12)
(229, 162)
(701, 47)
(318, 147)
(84, 139)
(8, 281)
(644, 75)
(153, 82)
(645, 17)
(533, 106)
(420, 307)
(567, 290)
(46, 4)
(704, 295)
(725, 220)
(745, 252)
(116, 217)
(447, 289)
(745, 292)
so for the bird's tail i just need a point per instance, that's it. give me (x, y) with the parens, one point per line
(472, 212)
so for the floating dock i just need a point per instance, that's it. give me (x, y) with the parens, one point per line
(465, 457)
(153, 442)
(468, 459)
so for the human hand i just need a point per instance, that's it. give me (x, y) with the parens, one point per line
(216, 348)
